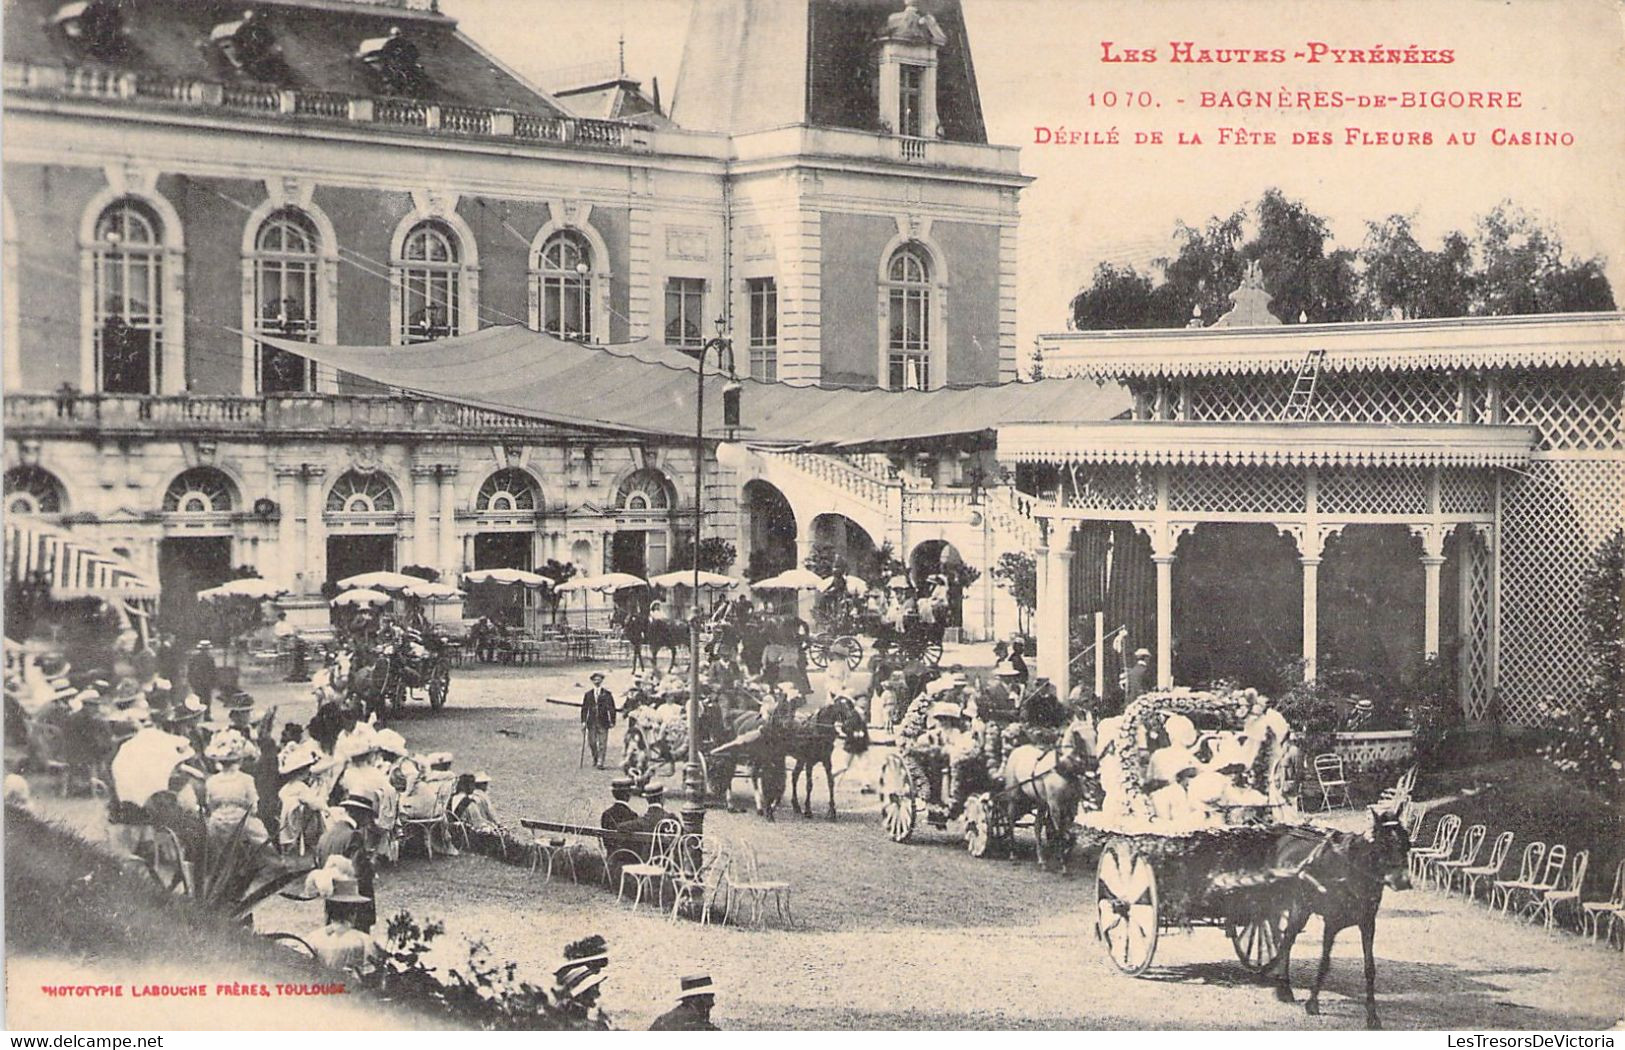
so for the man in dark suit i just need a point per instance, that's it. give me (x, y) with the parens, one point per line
(346, 836)
(597, 718)
(202, 675)
(696, 997)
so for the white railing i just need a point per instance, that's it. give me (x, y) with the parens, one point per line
(1010, 512)
(275, 412)
(842, 475)
(269, 99)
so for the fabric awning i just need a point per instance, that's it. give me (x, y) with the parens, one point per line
(1301, 444)
(648, 388)
(73, 568)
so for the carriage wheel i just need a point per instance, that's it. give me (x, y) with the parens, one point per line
(1257, 938)
(439, 687)
(1126, 908)
(981, 818)
(897, 808)
(818, 652)
(932, 654)
(848, 648)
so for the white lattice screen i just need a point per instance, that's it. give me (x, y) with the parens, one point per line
(1474, 657)
(1253, 490)
(1373, 490)
(1343, 397)
(1109, 486)
(1465, 491)
(1553, 517)
(1576, 408)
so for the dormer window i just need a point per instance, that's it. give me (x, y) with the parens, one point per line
(96, 27)
(394, 61)
(907, 55)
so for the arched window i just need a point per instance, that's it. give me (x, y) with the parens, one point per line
(429, 276)
(287, 263)
(645, 489)
(31, 490)
(358, 493)
(908, 326)
(563, 276)
(507, 491)
(201, 490)
(127, 308)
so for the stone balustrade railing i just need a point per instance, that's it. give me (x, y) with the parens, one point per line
(842, 475)
(310, 413)
(268, 99)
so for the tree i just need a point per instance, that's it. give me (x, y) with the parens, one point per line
(1119, 297)
(1017, 572)
(716, 554)
(1523, 270)
(1302, 277)
(1400, 273)
(824, 559)
(422, 572)
(558, 572)
(1591, 733)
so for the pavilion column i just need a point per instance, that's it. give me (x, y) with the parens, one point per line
(287, 528)
(315, 532)
(1165, 619)
(1057, 666)
(1432, 537)
(1042, 610)
(449, 552)
(1311, 616)
(423, 546)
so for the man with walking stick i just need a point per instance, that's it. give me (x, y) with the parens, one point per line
(597, 718)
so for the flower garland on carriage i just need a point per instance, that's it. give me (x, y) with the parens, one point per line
(1183, 760)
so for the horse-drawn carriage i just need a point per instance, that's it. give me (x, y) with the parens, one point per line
(398, 666)
(1245, 868)
(843, 625)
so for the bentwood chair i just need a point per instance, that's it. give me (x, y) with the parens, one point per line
(651, 874)
(1488, 871)
(1443, 869)
(1593, 913)
(1528, 871)
(1564, 889)
(1444, 844)
(702, 867)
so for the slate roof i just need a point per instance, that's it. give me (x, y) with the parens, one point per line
(318, 41)
(749, 65)
(620, 99)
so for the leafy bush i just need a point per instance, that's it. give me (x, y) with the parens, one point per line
(1431, 705)
(1590, 734)
(1017, 572)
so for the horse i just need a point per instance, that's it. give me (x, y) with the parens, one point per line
(812, 744)
(1339, 877)
(761, 743)
(371, 681)
(1048, 782)
(657, 635)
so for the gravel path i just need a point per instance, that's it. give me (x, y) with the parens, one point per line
(922, 935)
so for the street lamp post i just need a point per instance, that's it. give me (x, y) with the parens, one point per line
(694, 772)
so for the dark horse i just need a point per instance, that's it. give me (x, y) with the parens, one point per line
(761, 745)
(812, 744)
(1339, 877)
(639, 631)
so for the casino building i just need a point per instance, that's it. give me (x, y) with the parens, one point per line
(183, 177)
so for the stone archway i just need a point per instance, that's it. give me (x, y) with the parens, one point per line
(939, 557)
(849, 543)
(770, 530)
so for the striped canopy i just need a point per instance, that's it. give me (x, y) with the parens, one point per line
(73, 568)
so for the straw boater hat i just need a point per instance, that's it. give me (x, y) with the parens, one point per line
(439, 759)
(359, 804)
(694, 986)
(944, 709)
(1142, 652)
(654, 794)
(596, 676)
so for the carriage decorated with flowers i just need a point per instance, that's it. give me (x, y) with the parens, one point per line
(1209, 864)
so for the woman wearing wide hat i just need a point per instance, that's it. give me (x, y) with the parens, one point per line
(230, 794)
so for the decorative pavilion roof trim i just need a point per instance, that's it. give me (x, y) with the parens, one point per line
(1545, 341)
(1267, 444)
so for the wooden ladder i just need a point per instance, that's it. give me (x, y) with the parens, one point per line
(1303, 388)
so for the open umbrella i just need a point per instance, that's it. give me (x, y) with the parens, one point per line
(792, 580)
(507, 577)
(381, 581)
(363, 596)
(144, 764)
(424, 589)
(250, 587)
(611, 582)
(685, 578)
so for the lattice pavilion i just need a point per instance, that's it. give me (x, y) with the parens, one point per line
(1387, 490)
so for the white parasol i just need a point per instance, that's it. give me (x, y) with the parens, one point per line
(381, 581)
(424, 589)
(363, 596)
(144, 764)
(791, 580)
(611, 582)
(685, 578)
(507, 577)
(251, 587)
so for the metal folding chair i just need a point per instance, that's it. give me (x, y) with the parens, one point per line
(1330, 776)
